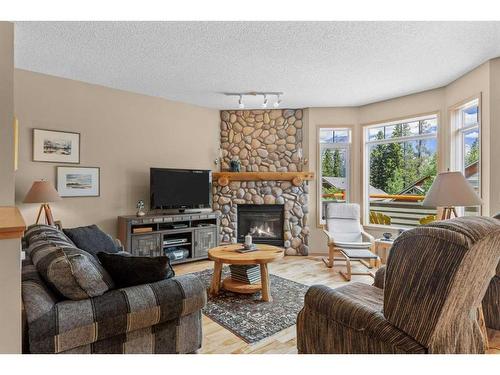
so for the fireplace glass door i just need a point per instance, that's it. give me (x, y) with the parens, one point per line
(264, 222)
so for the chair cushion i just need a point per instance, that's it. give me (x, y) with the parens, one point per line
(92, 240)
(72, 272)
(358, 254)
(128, 270)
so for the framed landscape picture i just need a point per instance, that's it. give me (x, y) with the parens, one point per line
(78, 181)
(56, 146)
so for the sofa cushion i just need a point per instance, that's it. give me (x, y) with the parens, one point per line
(92, 240)
(72, 272)
(127, 270)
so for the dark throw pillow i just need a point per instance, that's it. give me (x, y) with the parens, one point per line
(129, 270)
(92, 240)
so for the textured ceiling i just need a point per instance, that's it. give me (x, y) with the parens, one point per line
(315, 64)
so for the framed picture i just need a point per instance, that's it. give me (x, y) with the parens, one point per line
(56, 146)
(78, 181)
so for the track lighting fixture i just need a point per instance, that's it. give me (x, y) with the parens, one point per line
(265, 94)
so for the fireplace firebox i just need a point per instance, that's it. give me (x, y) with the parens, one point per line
(264, 222)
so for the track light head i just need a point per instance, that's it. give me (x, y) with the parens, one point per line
(277, 102)
(264, 105)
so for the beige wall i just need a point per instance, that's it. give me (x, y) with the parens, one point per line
(491, 137)
(122, 133)
(479, 81)
(6, 113)
(10, 267)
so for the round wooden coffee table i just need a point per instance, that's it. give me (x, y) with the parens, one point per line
(227, 254)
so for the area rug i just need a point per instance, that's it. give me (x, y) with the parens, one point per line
(247, 316)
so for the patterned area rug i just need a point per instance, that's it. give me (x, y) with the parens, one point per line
(247, 316)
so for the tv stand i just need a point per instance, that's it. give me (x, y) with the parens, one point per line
(154, 235)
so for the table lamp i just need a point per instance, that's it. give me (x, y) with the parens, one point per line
(43, 192)
(449, 190)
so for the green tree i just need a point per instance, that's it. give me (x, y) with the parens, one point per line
(327, 164)
(337, 164)
(473, 155)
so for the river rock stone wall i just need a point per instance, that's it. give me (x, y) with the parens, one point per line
(264, 141)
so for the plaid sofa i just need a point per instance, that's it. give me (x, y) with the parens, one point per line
(436, 277)
(161, 317)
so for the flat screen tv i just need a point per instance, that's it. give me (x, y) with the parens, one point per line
(180, 188)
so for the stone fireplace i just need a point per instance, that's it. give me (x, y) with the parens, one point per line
(263, 141)
(264, 222)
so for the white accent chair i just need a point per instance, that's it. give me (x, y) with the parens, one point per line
(347, 240)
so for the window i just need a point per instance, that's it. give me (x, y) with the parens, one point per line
(334, 149)
(401, 164)
(466, 150)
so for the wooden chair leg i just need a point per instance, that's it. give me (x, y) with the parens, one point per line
(348, 274)
(331, 257)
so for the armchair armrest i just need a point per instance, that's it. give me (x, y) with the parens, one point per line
(331, 318)
(328, 236)
(368, 237)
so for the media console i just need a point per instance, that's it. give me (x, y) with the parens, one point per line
(183, 237)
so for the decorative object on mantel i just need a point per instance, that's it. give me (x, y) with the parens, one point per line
(235, 165)
(449, 190)
(43, 192)
(140, 209)
(78, 181)
(56, 146)
(302, 160)
(297, 178)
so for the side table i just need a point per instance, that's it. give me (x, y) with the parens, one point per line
(382, 248)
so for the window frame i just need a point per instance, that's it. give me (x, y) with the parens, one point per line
(457, 132)
(347, 146)
(366, 155)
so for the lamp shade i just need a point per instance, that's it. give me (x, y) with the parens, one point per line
(451, 189)
(42, 192)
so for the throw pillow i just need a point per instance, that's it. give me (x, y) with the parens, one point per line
(74, 273)
(92, 240)
(128, 270)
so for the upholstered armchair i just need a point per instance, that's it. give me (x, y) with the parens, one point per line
(346, 238)
(435, 280)
(491, 300)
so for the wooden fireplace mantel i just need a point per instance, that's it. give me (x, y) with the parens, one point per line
(297, 178)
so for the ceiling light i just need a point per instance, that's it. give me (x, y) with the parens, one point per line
(264, 105)
(240, 103)
(277, 102)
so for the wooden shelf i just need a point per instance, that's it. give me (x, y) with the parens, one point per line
(11, 223)
(297, 178)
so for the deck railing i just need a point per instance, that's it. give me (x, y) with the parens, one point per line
(403, 210)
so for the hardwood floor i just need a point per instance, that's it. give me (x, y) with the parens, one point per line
(306, 270)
